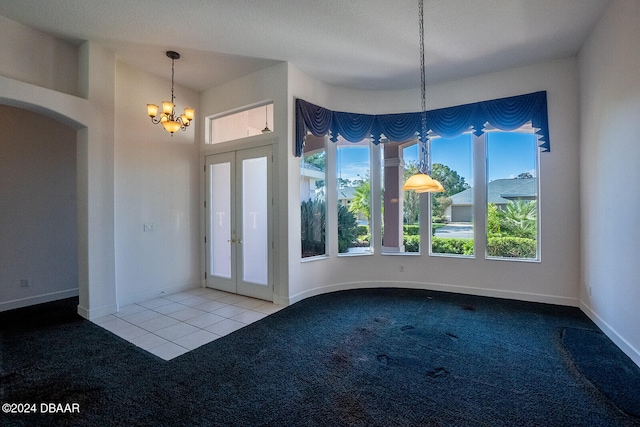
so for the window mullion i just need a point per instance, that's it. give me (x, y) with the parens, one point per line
(480, 195)
(332, 199)
(376, 201)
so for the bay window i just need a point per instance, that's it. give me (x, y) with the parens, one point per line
(504, 136)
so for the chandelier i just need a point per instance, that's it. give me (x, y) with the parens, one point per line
(171, 122)
(421, 182)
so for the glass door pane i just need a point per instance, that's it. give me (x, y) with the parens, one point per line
(220, 220)
(255, 233)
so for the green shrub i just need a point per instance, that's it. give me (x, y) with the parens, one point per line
(438, 218)
(313, 232)
(347, 229)
(312, 216)
(411, 243)
(493, 220)
(364, 238)
(363, 230)
(511, 247)
(411, 230)
(446, 245)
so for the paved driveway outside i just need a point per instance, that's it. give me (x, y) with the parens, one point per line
(460, 230)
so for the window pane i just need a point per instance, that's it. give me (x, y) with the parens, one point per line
(254, 121)
(353, 166)
(313, 198)
(400, 209)
(452, 211)
(512, 194)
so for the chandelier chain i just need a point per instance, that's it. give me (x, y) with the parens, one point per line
(422, 66)
(172, 73)
(423, 166)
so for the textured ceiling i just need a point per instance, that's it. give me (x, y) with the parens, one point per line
(365, 44)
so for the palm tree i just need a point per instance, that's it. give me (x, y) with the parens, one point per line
(361, 202)
(519, 219)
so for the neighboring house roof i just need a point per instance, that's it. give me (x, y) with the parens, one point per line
(500, 191)
(346, 193)
(311, 171)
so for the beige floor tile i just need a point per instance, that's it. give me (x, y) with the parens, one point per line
(148, 341)
(205, 320)
(229, 311)
(158, 323)
(186, 313)
(249, 317)
(173, 332)
(168, 351)
(225, 327)
(142, 316)
(196, 339)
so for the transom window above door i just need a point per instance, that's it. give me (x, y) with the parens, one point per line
(240, 124)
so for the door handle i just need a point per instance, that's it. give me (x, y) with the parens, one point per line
(234, 241)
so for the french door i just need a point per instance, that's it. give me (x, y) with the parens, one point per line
(239, 222)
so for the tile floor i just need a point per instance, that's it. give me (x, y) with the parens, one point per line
(174, 324)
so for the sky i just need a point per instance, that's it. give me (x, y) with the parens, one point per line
(509, 154)
(353, 161)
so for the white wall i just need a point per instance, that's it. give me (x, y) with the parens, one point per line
(156, 182)
(92, 117)
(38, 89)
(37, 58)
(610, 173)
(553, 280)
(38, 215)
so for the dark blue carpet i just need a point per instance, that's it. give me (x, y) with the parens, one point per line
(610, 371)
(380, 357)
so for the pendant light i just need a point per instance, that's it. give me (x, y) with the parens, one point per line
(421, 182)
(266, 121)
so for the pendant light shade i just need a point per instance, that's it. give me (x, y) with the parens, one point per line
(422, 183)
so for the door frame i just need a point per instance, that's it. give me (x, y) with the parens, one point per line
(236, 284)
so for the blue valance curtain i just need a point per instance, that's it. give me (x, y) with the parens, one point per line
(505, 114)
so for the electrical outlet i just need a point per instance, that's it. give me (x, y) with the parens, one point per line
(150, 227)
(402, 269)
(24, 283)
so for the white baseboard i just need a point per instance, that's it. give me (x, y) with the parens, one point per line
(623, 344)
(145, 296)
(96, 312)
(495, 293)
(278, 300)
(38, 299)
